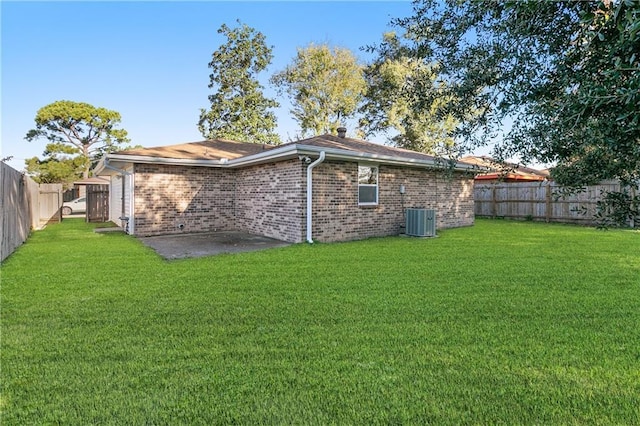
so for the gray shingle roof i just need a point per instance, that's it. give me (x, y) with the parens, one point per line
(223, 153)
(203, 150)
(362, 146)
(220, 148)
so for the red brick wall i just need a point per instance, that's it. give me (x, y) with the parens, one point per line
(338, 217)
(198, 198)
(270, 200)
(455, 201)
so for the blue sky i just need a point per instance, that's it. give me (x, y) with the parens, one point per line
(148, 60)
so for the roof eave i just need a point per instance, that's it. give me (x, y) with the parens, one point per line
(343, 154)
(289, 151)
(141, 159)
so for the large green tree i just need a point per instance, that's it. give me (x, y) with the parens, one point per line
(78, 133)
(558, 82)
(390, 104)
(239, 110)
(326, 86)
(53, 169)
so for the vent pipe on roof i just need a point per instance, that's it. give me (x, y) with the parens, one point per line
(342, 132)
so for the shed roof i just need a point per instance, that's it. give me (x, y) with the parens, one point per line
(95, 180)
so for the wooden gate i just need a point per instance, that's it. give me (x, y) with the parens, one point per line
(97, 203)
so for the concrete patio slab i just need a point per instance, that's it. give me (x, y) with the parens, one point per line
(208, 244)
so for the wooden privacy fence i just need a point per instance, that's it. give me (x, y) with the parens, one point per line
(25, 205)
(539, 201)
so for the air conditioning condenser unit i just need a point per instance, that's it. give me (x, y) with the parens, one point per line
(420, 222)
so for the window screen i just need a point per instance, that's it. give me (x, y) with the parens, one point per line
(367, 185)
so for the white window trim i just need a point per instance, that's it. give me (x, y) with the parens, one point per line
(377, 184)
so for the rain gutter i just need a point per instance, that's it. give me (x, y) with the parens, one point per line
(310, 168)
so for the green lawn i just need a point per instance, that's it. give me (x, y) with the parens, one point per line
(504, 322)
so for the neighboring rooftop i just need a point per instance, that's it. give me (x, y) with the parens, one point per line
(505, 171)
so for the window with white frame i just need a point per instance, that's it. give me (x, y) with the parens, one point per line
(367, 185)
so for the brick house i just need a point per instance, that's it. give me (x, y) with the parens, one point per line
(352, 189)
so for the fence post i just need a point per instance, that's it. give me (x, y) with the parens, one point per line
(547, 204)
(632, 222)
(493, 201)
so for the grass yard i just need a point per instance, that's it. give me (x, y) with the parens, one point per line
(504, 322)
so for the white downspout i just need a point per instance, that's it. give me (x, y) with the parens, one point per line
(124, 174)
(310, 194)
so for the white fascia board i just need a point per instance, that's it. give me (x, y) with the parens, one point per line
(264, 157)
(99, 168)
(343, 154)
(289, 151)
(269, 155)
(142, 159)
